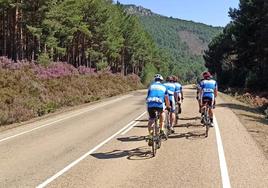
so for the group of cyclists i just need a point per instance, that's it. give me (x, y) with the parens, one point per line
(167, 95)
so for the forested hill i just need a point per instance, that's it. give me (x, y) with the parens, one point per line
(184, 41)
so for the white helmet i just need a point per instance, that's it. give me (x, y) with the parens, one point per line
(158, 77)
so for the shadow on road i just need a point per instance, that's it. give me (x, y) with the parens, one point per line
(256, 118)
(142, 120)
(200, 134)
(131, 139)
(246, 108)
(187, 125)
(190, 118)
(140, 153)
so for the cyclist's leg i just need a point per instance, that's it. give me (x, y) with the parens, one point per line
(179, 102)
(172, 114)
(151, 112)
(161, 118)
(211, 104)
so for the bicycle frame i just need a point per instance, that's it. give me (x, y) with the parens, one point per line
(156, 136)
(206, 118)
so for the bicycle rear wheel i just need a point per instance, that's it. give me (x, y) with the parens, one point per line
(154, 140)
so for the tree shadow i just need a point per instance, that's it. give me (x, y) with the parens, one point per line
(239, 107)
(246, 108)
(255, 118)
(141, 153)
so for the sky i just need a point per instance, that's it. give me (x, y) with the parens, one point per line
(211, 12)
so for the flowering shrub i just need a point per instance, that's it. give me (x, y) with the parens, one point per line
(29, 90)
(55, 70)
(85, 70)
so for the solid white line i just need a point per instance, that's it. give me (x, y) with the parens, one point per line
(70, 116)
(52, 178)
(133, 124)
(223, 165)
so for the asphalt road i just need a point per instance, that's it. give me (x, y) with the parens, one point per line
(102, 145)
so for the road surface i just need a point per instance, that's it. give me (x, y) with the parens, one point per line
(102, 145)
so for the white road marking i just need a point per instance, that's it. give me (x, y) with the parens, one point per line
(223, 165)
(52, 178)
(62, 119)
(133, 124)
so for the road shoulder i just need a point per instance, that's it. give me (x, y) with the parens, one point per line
(253, 120)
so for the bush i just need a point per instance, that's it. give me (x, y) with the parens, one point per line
(29, 90)
(43, 59)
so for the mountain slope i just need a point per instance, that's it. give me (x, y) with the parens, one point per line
(184, 41)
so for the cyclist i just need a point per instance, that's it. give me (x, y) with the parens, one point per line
(178, 94)
(209, 91)
(171, 91)
(156, 98)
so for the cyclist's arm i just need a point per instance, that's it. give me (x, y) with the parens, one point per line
(182, 94)
(148, 93)
(216, 90)
(167, 101)
(176, 96)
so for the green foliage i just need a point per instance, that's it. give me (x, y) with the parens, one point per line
(102, 65)
(148, 74)
(44, 59)
(239, 55)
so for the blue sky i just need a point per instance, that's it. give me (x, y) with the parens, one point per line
(211, 12)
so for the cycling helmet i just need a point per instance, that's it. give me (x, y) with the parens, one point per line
(158, 77)
(170, 79)
(207, 75)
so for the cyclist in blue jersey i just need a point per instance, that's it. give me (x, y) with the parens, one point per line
(156, 99)
(171, 92)
(178, 94)
(209, 91)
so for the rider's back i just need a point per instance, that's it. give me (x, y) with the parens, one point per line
(156, 95)
(208, 87)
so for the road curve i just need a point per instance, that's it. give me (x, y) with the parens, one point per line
(102, 145)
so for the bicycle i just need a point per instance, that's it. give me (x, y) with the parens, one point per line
(205, 116)
(156, 138)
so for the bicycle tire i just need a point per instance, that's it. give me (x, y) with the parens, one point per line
(154, 141)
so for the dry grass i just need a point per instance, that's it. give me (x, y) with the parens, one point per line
(25, 95)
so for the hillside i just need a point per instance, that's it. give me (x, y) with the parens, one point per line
(184, 41)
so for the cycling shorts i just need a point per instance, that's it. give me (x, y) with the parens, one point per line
(152, 111)
(209, 100)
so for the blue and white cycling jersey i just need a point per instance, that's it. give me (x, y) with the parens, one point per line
(178, 87)
(208, 87)
(156, 95)
(171, 88)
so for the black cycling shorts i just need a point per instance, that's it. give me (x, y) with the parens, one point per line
(152, 111)
(208, 100)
